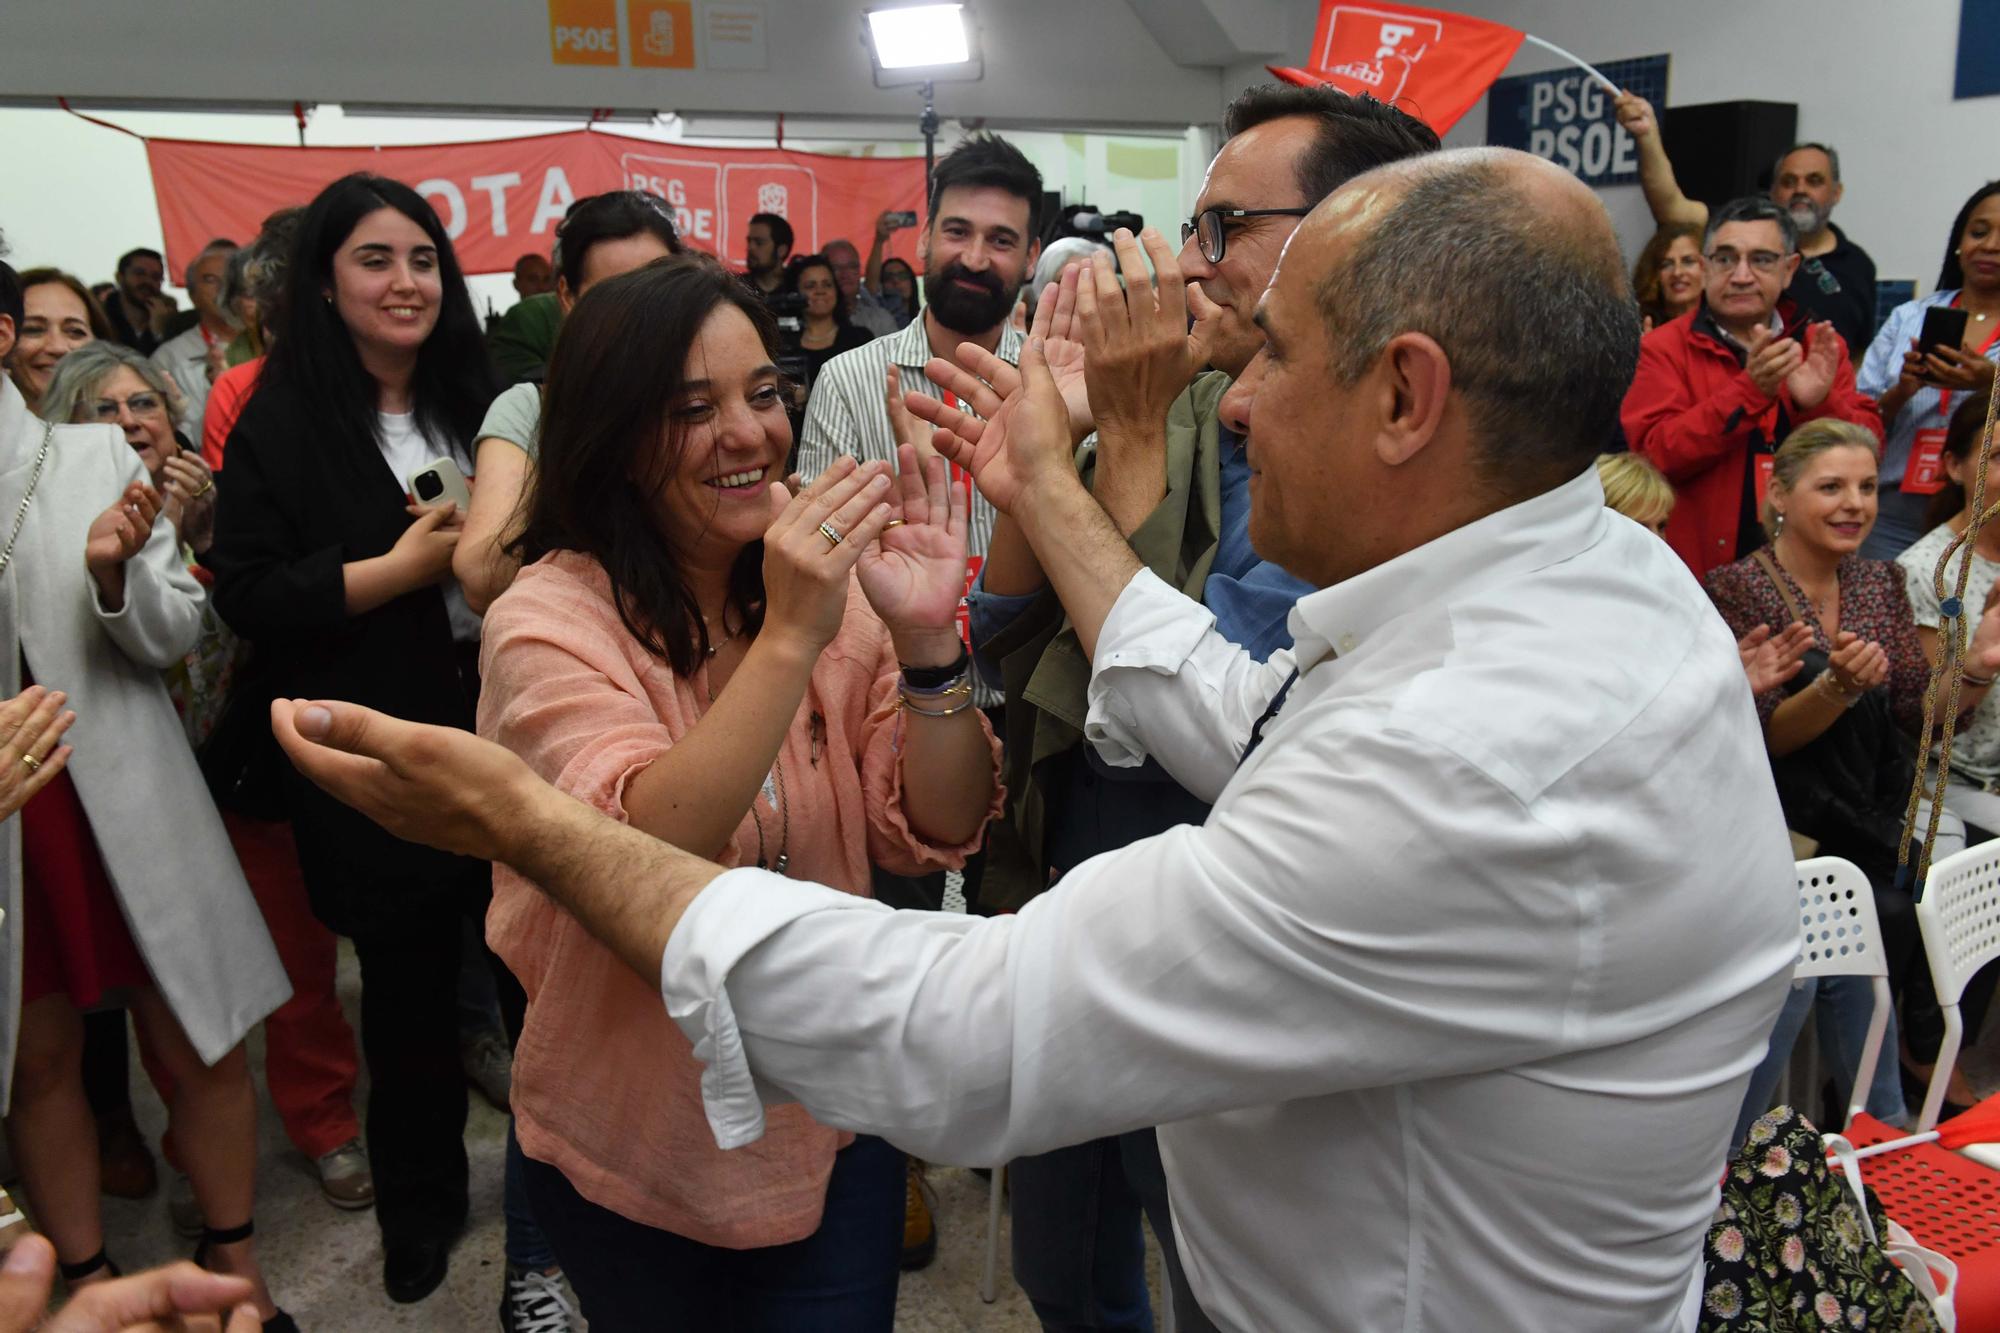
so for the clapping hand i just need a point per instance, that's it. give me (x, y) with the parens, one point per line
(120, 532)
(914, 574)
(1138, 351)
(1812, 379)
(805, 571)
(115, 536)
(1770, 360)
(1982, 654)
(1026, 441)
(188, 499)
(1770, 660)
(984, 381)
(31, 727)
(1858, 665)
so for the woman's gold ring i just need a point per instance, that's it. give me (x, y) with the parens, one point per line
(832, 535)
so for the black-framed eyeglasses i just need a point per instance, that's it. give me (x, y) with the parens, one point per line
(1212, 226)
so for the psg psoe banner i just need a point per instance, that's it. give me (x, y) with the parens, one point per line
(1567, 117)
(502, 198)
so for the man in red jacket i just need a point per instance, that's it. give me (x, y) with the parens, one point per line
(1719, 388)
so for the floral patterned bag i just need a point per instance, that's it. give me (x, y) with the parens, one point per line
(1791, 1250)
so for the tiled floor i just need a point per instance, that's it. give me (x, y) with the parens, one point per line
(325, 1266)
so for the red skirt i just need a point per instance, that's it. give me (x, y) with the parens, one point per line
(74, 938)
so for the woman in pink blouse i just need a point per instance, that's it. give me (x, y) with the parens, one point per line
(753, 676)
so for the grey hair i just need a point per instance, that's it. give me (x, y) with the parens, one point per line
(221, 245)
(81, 373)
(236, 281)
(1832, 158)
(1538, 323)
(1056, 254)
(1752, 208)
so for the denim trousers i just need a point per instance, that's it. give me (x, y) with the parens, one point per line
(841, 1279)
(1844, 1005)
(1079, 1246)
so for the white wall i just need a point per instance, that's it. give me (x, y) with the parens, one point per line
(1872, 78)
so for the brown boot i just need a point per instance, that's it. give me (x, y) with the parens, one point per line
(919, 1231)
(124, 1162)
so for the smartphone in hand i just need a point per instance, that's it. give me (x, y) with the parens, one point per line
(441, 483)
(1944, 326)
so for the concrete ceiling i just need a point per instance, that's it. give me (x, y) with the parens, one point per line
(1217, 32)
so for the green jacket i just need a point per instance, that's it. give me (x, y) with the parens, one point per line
(521, 342)
(1042, 664)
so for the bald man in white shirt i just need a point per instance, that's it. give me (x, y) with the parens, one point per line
(1446, 1010)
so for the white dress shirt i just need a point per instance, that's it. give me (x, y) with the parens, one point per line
(184, 359)
(1446, 1011)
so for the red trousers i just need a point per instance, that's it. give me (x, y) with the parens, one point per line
(309, 1059)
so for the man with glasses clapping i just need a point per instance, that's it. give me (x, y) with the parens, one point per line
(1718, 389)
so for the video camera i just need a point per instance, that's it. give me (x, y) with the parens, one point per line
(1089, 222)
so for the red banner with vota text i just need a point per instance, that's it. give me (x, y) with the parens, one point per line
(1431, 63)
(502, 198)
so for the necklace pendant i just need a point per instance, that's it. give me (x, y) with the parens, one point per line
(779, 865)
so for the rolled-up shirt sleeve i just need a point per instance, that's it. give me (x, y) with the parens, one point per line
(1297, 944)
(1166, 685)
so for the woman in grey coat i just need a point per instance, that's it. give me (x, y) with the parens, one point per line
(119, 883)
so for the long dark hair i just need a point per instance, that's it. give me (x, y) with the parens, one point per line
(1961, 441)
(842, 308)
(617, 368)
(1952, 275)
(314, 353)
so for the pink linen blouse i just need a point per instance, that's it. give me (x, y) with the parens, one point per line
(606, 1088)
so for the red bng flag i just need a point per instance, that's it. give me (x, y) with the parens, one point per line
(1432, 64)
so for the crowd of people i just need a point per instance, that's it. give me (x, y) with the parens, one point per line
(803, 570)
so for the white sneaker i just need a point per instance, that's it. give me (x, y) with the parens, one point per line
(535, 1302)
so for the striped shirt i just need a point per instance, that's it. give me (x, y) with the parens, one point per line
(849, 414)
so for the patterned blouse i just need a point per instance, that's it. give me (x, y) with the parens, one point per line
(1874, 603)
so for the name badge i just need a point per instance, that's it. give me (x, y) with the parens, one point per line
(1924, 473)
(1766, 463)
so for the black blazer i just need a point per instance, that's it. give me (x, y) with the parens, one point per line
(288, 516)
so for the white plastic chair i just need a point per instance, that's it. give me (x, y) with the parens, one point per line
(1840, 936)
(1959, 916)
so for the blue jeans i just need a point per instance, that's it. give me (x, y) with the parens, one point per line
(526, 1246)
(1845, 1005)
(1079, 1250)
(840, 1279)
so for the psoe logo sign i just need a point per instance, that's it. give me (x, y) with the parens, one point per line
(1376, 48)
(583, 32)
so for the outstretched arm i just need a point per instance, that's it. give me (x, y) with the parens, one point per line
(451, 790)
(1656, 173)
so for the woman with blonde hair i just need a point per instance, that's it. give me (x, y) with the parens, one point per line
(1842, 737)
(1636, 489)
